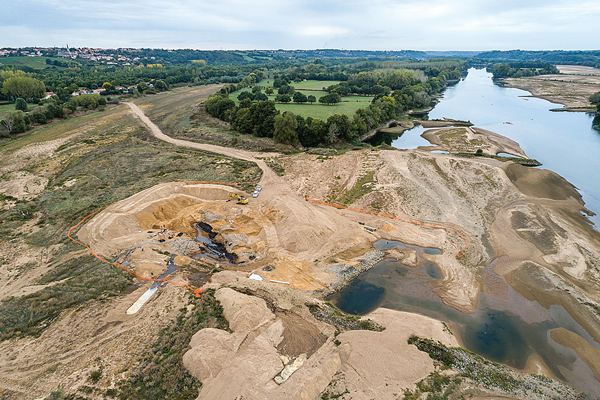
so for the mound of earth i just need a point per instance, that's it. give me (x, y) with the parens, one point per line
(277, 349)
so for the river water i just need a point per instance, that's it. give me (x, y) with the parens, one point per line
(564, 142)
(506, 328)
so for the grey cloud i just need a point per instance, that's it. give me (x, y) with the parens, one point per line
(243, 24)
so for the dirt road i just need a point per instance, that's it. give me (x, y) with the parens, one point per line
(302, 235)
(299, 232)
(268, 175)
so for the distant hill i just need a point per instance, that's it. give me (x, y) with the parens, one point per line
(452, 53)
(589, 58)
(337, 53)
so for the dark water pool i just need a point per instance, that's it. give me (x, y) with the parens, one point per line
(506, 327)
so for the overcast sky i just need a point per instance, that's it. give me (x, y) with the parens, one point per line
(303, 24)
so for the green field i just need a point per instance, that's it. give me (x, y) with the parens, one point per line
(33, 62)
(307, 85)
(5, 108)
(348, 106)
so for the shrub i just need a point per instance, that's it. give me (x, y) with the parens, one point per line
(21, 104)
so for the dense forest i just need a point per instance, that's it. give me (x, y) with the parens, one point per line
(520, 69)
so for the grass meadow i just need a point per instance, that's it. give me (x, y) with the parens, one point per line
(348, 105)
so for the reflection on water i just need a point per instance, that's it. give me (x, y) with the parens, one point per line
(506, 327)
(596, 123)
(409, 139)
(567, 143)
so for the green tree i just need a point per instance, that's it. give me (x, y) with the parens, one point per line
(23, 86)
(218, 105)
(313, 133)
(285, 128)
(21, 104)
(141, 87)
(341, 127)
(14, 122)
(501, 70)
(332, 98)
(269, 90)
(89, 101)
(72, 88)
(283, 98)
(260, 97)
(300, 97)
(245, 95)
(243, 121)
(286, 89)
(263, 118)
(245, 103)
(311, 99)
(161, 85)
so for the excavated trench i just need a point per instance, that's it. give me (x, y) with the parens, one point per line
(212, 249)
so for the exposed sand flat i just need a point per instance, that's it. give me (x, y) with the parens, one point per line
(572, 88)
(578, 70)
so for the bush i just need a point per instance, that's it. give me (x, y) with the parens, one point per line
(95, 376)
(21, 104)
(15, 122)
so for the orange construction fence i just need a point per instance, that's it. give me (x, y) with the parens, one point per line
(196, 292)
(459, 253)
(206, 182)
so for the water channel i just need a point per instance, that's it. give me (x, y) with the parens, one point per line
(564, 142)
(506, 327)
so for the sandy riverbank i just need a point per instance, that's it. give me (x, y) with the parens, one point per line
(571, 88)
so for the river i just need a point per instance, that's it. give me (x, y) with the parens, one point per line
(564, 142)
(507, 328)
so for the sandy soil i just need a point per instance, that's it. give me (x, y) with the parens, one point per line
(244, 362)
(82, 340)
(572, 88)
(471, 139)
(509, 213)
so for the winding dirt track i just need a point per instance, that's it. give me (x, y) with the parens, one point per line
(276, 190)
(268, 173)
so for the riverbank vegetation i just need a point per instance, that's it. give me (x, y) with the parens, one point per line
(490, 375)
(521, 69)
(595, 100)
(590, 58)
(518, 160)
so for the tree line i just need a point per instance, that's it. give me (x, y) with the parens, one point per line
(590, 58)
(521, 69)
(396, 92)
